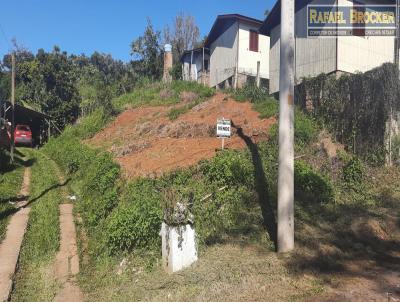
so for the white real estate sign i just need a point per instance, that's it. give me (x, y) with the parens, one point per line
(223, 128)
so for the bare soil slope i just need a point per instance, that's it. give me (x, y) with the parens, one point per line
(147, 143)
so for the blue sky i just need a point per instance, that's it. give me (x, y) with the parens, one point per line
(109, 26)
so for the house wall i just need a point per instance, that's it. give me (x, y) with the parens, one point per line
(363, 53)
(327, 55)
(223, 56)
(247, 63)
(313, 55)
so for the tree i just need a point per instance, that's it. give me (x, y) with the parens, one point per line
(184, 36)
(47, 82)
(147, 51)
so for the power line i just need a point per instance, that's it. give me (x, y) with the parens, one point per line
(5, 36)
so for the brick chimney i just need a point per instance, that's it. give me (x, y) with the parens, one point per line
(167, 63)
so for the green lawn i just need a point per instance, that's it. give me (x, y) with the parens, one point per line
(11, 177)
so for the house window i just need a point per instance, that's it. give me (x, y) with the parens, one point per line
(253, 41)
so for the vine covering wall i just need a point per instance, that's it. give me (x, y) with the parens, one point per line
(355, 107)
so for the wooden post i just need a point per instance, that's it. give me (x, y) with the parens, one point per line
(202, 73)
(13, 106)
(191, 66)
(258, 75)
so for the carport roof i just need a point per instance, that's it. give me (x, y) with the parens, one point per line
(27, 114)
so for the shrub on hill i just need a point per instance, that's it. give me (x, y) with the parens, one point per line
(157, 94)
(263, 103)
(310, 185)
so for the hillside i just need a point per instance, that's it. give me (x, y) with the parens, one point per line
(123, 170)
(146, 142)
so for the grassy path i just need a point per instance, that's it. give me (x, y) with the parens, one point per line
(10, 185)
(35, 278)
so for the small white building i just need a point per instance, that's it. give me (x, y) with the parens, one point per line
(195, 65)
(329, 55)
(235, 50)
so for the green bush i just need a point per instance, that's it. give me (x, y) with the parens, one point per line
(305, 128)
(99, 189)
(91, 124)
(267, 108)
(137, 221)
(229, 168)
(353, 172)
(251, 93)
(310, 185)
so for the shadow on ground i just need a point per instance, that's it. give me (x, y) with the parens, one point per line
(267, 207)
(44, 192)
(343, 241)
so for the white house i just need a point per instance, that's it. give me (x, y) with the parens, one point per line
(330, 55)
(236, 52)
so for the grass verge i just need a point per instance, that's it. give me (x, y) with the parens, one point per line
(35, 279)
(10, 184)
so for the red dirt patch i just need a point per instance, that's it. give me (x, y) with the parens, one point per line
(146, 143)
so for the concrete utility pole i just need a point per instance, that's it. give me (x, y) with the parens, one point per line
(396, 40)
(286, 130)
(12, 105)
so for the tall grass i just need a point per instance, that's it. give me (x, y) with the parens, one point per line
(262, 102)
(157, 94)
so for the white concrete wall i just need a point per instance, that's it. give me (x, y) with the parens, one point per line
(247, 63)
(186, 71)
(363, 53)
(223, 52)
(360, 54)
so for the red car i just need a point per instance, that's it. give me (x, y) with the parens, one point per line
(23, 135)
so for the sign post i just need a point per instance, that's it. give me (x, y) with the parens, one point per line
(223, 130)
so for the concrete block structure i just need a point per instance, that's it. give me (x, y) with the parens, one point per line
(178, 247)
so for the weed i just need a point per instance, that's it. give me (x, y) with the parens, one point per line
(174, 113)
